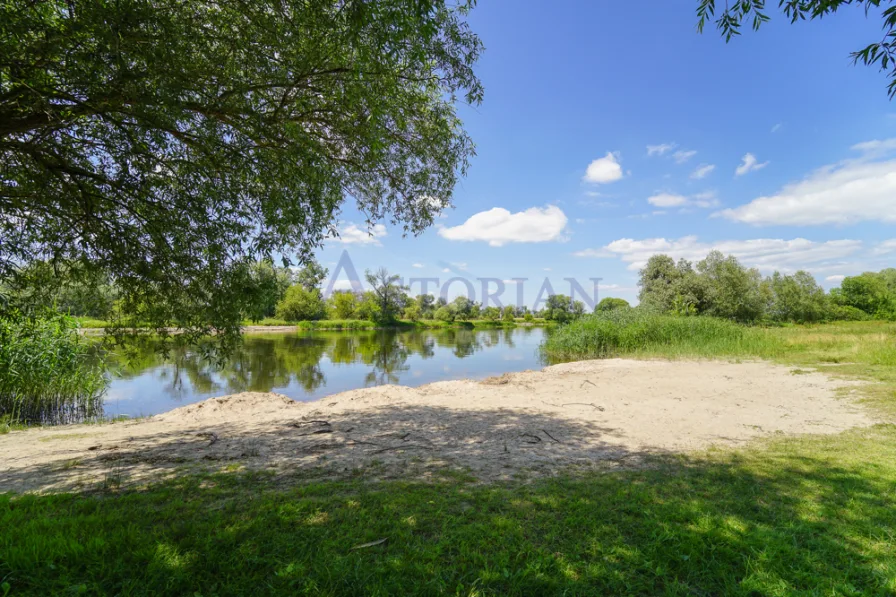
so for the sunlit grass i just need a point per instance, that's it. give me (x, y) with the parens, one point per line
(809, 516)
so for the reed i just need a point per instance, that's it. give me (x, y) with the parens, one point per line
(48, 373)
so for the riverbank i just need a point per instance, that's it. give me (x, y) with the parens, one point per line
(590, 414)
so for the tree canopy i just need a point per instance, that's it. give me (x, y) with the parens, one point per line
(754, 14)
(174, 143)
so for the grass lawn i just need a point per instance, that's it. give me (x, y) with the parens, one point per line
(787, 516)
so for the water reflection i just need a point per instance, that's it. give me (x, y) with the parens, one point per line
(306, 366)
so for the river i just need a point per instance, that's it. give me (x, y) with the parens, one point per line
(310, 365)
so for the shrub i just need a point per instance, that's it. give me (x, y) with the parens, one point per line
(48, 373)
(444, 314)
(300, 304)
(609, 303)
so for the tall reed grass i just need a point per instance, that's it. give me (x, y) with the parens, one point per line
(636, 332)
(48, 372)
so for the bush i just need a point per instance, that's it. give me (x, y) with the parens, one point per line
(48, 373)
(610, 303)
(444, 314)
(300, 304)
(626, 331)
(847, 313)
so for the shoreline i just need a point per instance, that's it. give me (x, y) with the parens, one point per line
(583, 415)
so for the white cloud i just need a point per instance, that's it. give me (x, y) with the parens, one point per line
(446, 271)
(351, 234)
(767, 254)
(604, 170)
(750, 163)
(846, 193)
(660, 149)
(702, 171)
(704, 200)
(887, 246)
(681, 156)
(667, 200)
(596, 253)
(418, 265)
(837, 278)
(498, 226)
(877, 146)
(461, 265)
(777, 127)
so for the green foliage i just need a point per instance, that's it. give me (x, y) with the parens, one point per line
(609, 303)
(508, 313)
(491, 314)
(797, 298)
(388, 293)
(559, 308)
(463, 308)
(301, 304)
(412, 311)
(267, 288)
(48, 373)
(176, 143)
(343, 304)
(444, 314)
(752, 12)
(731, 290)
(664, 284)
(869, 292)
(72, 288)
(528, 318)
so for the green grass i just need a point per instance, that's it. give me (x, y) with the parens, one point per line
(810, 515)
(798, 517)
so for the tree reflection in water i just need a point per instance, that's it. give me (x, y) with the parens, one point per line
(267, 361)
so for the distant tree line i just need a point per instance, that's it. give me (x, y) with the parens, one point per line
(269, 291)
(721, 286)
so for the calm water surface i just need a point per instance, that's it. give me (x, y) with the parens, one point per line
(310, 365)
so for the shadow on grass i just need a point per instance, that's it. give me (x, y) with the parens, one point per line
(800, 518)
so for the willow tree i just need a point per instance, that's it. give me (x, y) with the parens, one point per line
(173, 143)
(754, 13)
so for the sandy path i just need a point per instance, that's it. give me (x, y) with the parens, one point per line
(580, 414)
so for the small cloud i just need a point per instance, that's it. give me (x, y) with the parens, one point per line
(887, 246)
(834, 278)
(351, 234)
(461, 265)
(592, 194)
(547, 269)
(667, 200)
(749, 164)
(777, 127)
(418, 265)
(446, 271)
(702, 171)
(597, 253)
(681, 156)
(704, 200)
(660, 149)
(877, 146)
(604, 170)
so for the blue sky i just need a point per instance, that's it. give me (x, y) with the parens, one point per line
(612, 130)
